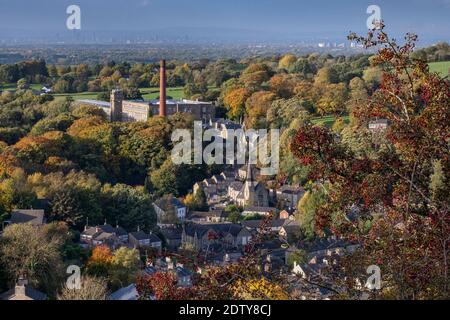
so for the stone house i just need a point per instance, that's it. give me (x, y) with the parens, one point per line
(200, 236)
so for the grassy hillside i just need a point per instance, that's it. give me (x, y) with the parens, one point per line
(153, 93)
(328, 121)
(442, 67)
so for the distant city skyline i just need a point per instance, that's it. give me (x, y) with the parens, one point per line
(262, 20)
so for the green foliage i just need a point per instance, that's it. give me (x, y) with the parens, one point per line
(298, 257)
(438, 181)
(307, 206)
(130, 207)
(234, 213)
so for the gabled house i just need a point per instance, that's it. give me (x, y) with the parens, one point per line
(327, 247)
(172, 235)
(141, 239)
(166, 206)
(227, 235)
(378, 125)
(220, 182)
(290, 231)
(183, 276)
(289, 196)
(253, 193)
(308, 271)
(23, 291)
(223, 125)
(234, 191)
(229, 176)
(104, 235)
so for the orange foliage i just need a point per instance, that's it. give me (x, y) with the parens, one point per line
(235, 101)
(101, 255)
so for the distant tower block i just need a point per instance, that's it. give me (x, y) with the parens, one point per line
(116, 105)
(162, 90)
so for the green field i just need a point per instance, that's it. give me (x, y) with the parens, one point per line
(13, 86)
(328, 121)
(153, 93)
(147, 93)
(442, 67)
(77, 96)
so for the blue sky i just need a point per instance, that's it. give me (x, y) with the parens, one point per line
(429, 18)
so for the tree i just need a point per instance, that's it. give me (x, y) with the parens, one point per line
(333, 99)
(235, 102)
(130, 207)
(326, 76)
(283, 85)
(92, 288)
(255, 75)
(234, 213)
(390, 187)
(125, 266)
(200, 199)
(372, 76)
(100, 262)
(287, 61)
(307, 206)
(23, 84)
(73, 197)
(298, 257)
(34, 252)
(259, 289)
(257, 106)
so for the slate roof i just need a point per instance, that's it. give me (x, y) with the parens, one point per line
(35, 217)
(324, 244)
(201, 214)
(110, 229)
(172, 233)
(127, 293)
(237, 185)
(201, 229)
(29, 292)
(141, 235)
(162, 203)
(260, 209)
(182, 272)
(287, 189)
(292, 228)
(255, 224)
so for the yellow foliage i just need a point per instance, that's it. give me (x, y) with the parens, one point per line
(235, 101)
(287, 61)
(259, 289)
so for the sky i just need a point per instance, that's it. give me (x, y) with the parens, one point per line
(428, 18)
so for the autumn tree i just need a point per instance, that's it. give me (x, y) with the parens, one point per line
(388, 189)
(94, 289)
(34, 252)
(100, 261)
(235, 102)
(287, 61)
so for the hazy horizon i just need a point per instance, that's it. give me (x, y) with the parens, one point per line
(263, 20)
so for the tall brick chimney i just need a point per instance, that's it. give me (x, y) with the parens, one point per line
(162, 89)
